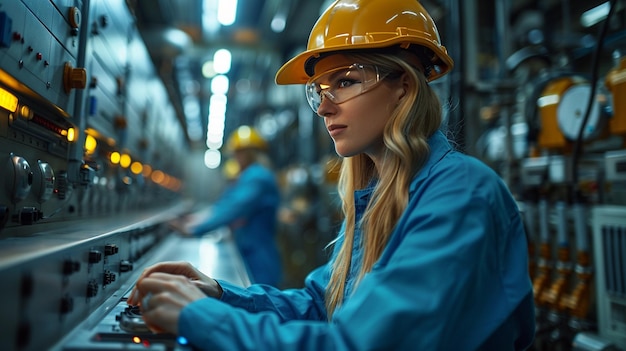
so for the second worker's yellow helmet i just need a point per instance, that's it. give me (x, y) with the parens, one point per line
(245, 137)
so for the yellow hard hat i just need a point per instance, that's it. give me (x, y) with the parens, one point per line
(370, 24)
(245, 137)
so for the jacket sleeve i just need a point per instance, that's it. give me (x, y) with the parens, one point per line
(451, 277)
(235, 203)
(306, 303)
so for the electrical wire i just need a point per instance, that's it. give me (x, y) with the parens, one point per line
(576, 196)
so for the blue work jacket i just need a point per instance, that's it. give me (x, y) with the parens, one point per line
(250, 208)
(453, 277)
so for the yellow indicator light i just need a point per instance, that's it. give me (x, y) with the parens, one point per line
(115, 157)
(90, 144)
(71, 135)
(125, 160)
(136, 340)
(26, 112)
(8, 101)
(157, 176)
(136, 167)
(166, 181)
(147, 170)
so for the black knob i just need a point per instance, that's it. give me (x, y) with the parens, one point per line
(109, 277)
(92, 288)
(28, 215)
(111, 249)
(95, 256)
(126, 266)
(67, 304)
(70, 267)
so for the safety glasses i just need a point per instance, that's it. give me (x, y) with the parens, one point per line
(342, 84)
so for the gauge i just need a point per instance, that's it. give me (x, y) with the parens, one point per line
(571, 113)
(43, 182)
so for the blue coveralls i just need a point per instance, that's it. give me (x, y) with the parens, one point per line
(250, 207)
(454, 276)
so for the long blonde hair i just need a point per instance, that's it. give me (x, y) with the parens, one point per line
(413, 121)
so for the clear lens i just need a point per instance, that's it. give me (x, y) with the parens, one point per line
(341, 84)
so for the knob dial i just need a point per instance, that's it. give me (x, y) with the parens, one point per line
(74, 17)
(44, 182)
(20, 178)
(74, 78)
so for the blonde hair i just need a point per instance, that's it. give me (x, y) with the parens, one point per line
(405, 136)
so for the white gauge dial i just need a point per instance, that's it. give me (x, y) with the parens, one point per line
(571, 113)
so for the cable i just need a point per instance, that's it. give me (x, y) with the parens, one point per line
(594, 77)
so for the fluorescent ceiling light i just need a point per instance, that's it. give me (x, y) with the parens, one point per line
(221, 61)
(595, 15)
(226, 12)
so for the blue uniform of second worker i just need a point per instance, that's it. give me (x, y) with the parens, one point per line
(460, 219)
(249, 207)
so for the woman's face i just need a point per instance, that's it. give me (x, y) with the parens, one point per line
(356, 125)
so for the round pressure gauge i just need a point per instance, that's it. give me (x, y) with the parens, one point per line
(571, 113)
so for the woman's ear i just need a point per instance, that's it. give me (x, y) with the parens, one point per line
(403, 87)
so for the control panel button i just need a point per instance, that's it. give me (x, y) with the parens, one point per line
(126, 266)
(111, 249)
(67, 304)
(27, 215)
(95, 256)
(92, 288)
(70, 267)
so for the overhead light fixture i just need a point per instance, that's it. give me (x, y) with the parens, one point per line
(208, 71)
(219, 84)
(279, 22)
(595, 15)
(210, 25)
(222, 61)
(226, 12)
(212, 158)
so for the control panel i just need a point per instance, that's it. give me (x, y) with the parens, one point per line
(56, 283)
(90, 164)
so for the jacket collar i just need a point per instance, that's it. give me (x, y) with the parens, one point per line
(439, 147)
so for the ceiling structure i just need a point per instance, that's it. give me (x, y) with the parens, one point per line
(180, 44)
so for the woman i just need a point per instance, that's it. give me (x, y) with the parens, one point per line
(432, 252)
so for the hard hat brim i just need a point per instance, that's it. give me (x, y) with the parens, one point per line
(293, 71)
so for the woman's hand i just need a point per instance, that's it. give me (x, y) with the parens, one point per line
(163, 296)
(206, 284)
